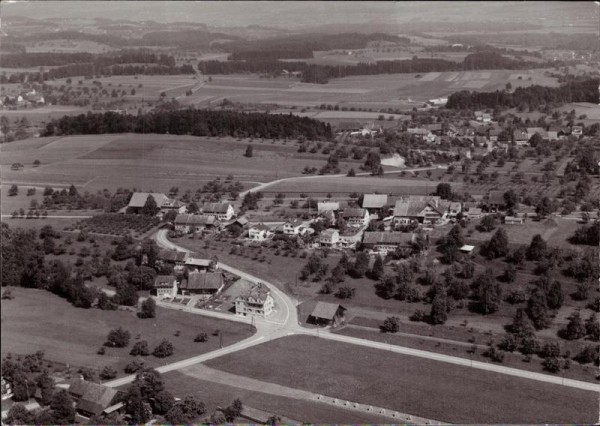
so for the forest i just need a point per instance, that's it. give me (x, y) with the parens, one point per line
(192, 122)
(576, 90)
(322, 73)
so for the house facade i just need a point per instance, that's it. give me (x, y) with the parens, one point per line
(385, 242)
(203, 283)
(165, 286)
(374, 203)
(329, 238)
(294, 227)
(164, 203)
(222, 211)
(255, 300)
(190, 223)
(430, 212)
(259, 232)
(355, 216)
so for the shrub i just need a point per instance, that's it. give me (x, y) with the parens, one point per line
(133, 367)
(163, 350)
(418, 315)
(551, 364)
(494, 354)
(108, 373)
(201, 337)
(140, 349)
(391, 325)
(345, 293)
(118, 338)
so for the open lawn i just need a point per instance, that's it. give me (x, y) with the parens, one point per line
(39, 320)
(219, 395)
(409, 384)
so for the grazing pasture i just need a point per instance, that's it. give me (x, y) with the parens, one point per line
(408, 384)
(38, 320)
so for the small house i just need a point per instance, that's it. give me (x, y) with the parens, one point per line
(514, 220)
(172, 257)
(473, 213)
(190, 223)
(351, 237)
(93, 399)
(323, 206)
(294, 227)
(255, 299)
(374, 203)
(259, 232)
(329, 238)
(201, 265)
(207, 284)
(495, 200)
(165, 286)
(577, 130)
(520, 137)
(326, 313)
(467, 249)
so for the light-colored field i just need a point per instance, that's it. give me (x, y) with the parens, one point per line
(38, 320)
(39, 116)
(150, 162)
(376, 91)
(68, 46)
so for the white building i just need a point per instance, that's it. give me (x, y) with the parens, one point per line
(255, 300)
(329, 238)
(165, 286)
(222, 211)
(259, 232)
(294, 227)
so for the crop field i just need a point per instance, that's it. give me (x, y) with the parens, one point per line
(342, 185)
(68, 46)
(42, 115)
(376, 91)
(412, 385)
(38, 320)
(150, 162)
(117, 224)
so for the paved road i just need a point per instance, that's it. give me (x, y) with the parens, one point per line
(290, 326)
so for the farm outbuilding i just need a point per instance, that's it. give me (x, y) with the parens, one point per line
(327, 313)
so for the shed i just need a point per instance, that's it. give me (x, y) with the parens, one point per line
(326, 313)
(467, 249)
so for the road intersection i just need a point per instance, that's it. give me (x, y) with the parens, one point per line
(289, 325)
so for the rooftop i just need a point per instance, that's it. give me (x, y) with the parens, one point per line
(326, 310)
(374, 201)
(138, 199)
(203, 281)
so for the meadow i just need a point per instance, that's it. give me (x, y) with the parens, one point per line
(38, 320)
(408, 384)
(374, 91)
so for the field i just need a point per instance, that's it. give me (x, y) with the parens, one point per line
(219, 395)
(150, 162)
(42, 115)
(38, 320)
(68, 46)
(413, 385)
(376, 91)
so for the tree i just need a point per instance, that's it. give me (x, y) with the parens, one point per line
(488, 292)
(248, 152)
(555, 296)
(126, 295)
(351, 173)
(575, 328)
(163, 350)
(498, 245)
(487, 223)
(148, 308)
(511, 199)
(439, 306)
(186, 411)
(139, 410)
(19, 415)
(163, 402)
(150, 207)
(62, 408)
(592, 327)
(537, 248)
(537, 309)
(510, 273)
(46, 385)
(14, 190)
(234, 410)
(140, 349)
(361, 265)
(545, 207)
(133, 367)
(521, 325)
(444, 190)
(551, 364)
(391, 325)
(118, 338)
(377, 270)
(108, 373)
(105, 303)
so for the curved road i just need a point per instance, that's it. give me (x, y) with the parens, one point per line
(269, 330)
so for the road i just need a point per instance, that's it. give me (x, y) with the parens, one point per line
(296, 178)
(268, 330)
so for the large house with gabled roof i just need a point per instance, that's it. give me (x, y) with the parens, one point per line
(164, 203)
(222, 211)
(255, 299)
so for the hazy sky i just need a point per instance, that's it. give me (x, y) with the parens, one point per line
(290, 14)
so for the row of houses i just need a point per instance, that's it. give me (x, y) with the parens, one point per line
(219, 211)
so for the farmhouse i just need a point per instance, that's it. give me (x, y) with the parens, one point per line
(577, 130)
(473, 213)
(222, 211)
(201, 265)
(355, 216)
(92, 399)
(327, 314)
(421, 133)
(294, 227)
(329, 238)
(454, 209)
(236, 227)
(138, 200)
(208, 283)
(384, 242)
(426, 212)
(165, 286)
(172, 257)
(374, 203)
(255, 300)
(190, 223)
(259, 232)
(520, 137)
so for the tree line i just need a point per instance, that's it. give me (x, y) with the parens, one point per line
(192, 122)
(312, 73)
(579, 90)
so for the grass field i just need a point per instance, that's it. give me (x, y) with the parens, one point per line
(421, 387)
(150, 162)
(376, 91)
(42, 115)
(38, 320)
(219, 395)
